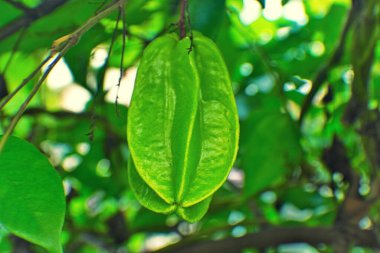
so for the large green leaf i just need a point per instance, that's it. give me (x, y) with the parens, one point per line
(270, 148)
(32, 201)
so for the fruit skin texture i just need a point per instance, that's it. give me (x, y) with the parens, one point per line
(182, 126)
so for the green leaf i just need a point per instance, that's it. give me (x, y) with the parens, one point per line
(32, 200)
(182, 123)
(270, 148)
(8, 13)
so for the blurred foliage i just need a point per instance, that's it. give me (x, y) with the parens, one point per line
(282, 176)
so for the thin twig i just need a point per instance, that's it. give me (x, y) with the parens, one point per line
(74, 37)
(36, 111)
(60, 46)
(25, 82)
(22, 109)
(15, 48)
(60, 43)
(122, 13)
(93, 118)
(105, 66)
(333, 61)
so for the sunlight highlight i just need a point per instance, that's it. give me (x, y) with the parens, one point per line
(60, 76)
(273, 10)
(295, 11)
(250, 12)
(74, 98)
(126, 86)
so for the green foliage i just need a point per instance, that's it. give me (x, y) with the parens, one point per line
(292, 174)
(31, 195)
(270, 147)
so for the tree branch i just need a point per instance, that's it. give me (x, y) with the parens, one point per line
(337, 55)
(30, 16)
(24, 105)
(59, 47)
(273, 237)
(36, 111)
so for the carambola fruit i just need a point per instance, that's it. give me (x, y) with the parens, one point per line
(182, 126)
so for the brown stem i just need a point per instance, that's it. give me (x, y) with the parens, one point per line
(124, 26)
(182, 19)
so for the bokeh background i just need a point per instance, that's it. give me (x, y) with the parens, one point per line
(318, 170)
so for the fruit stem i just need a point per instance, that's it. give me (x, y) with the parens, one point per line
(182, 20)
